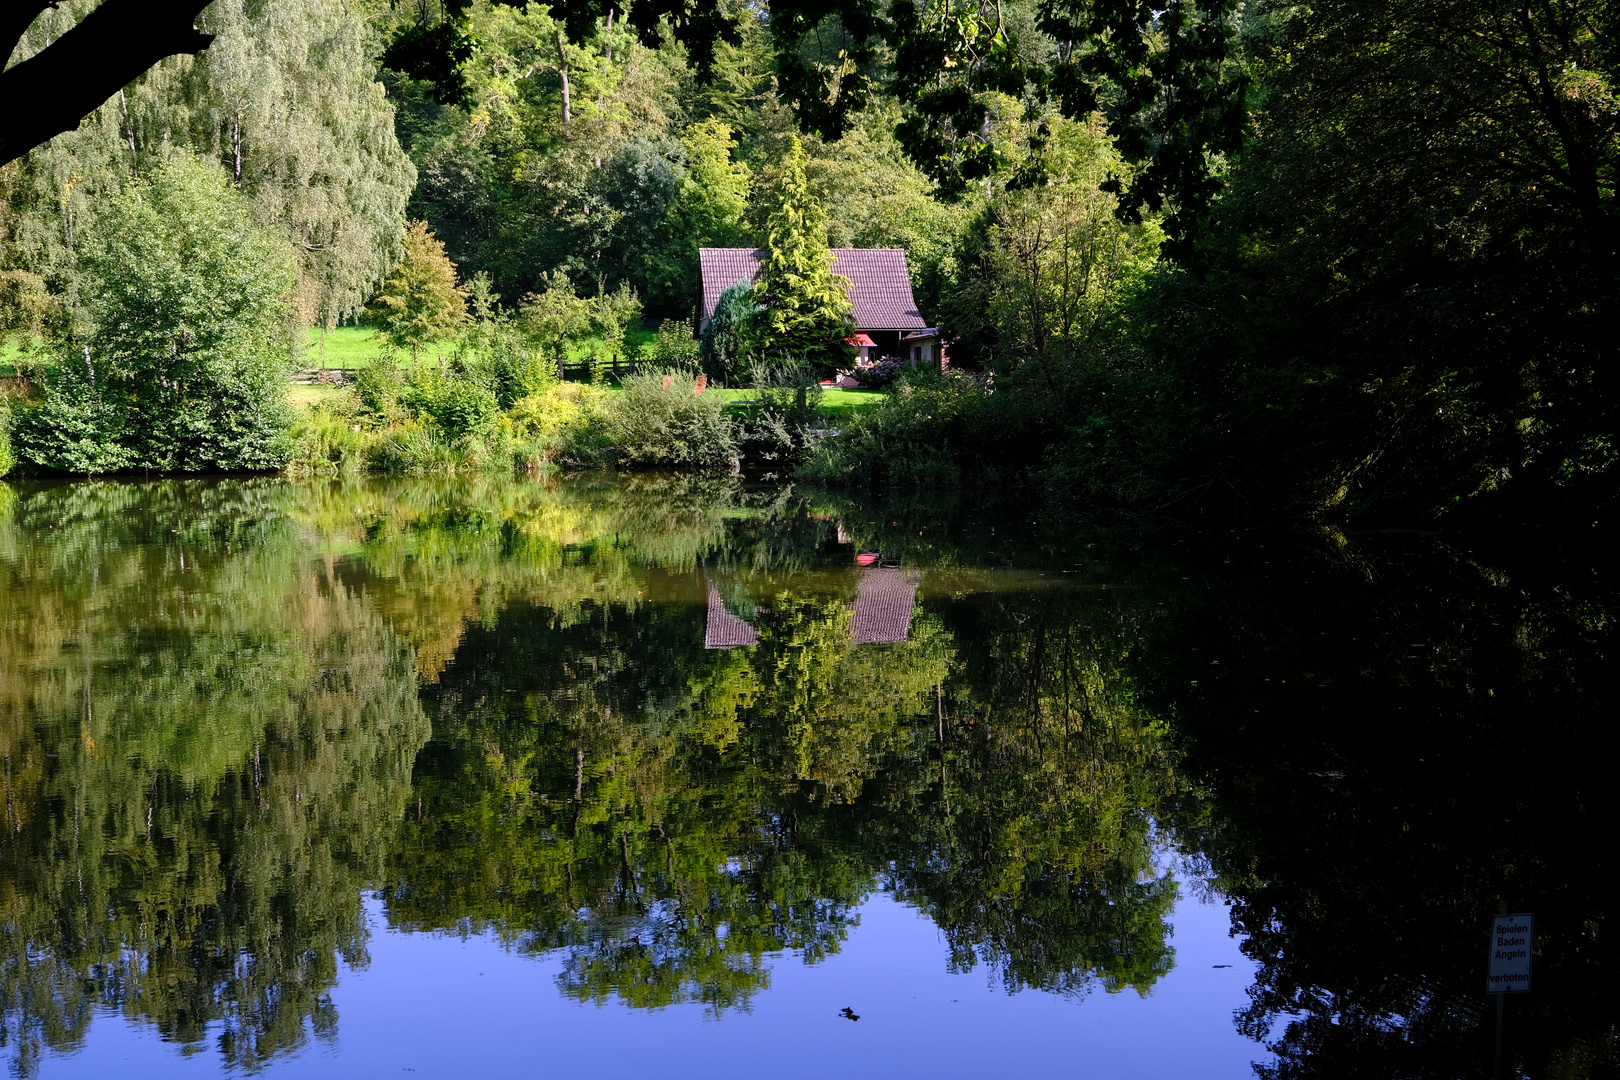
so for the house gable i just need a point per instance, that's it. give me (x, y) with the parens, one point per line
(879, 283)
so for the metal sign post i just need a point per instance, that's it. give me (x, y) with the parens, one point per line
(1507, 965)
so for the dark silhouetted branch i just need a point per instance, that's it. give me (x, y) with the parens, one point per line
(52, 91)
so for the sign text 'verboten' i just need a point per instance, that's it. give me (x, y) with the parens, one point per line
(1508, 969)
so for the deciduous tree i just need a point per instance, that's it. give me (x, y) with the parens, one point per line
(421, 301)
(184, 363)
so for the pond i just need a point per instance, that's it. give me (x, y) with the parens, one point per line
(680, 775)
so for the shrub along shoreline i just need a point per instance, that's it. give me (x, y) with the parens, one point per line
(470, 416)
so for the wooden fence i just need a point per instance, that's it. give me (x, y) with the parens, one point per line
(582, 371)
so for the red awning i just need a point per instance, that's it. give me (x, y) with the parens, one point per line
(861, 340)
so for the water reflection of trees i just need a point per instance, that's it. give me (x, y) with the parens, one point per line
(215, 702)
(204, 746)
(669, 815)
(1397, 734)
(1038, 855)
(211, 711)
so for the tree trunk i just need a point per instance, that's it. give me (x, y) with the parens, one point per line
(607, 50)
(562, 71)
(129, 129)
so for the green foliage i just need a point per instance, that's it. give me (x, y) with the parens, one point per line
(674, 348)
(662, 418)
(1423, 337)
(876, 197)
(555, 317)
(714, 191)
(456, 407)
(183, 365)
(1048, 267)
(612, 317)
(917, 437)
(731, 335)
(379, 386)
(420, 302)
(285, 99)
(776, 435)
(634, 197)
(294, 111)
(415, 449)
(79, 426)
(330, 440)
(670, 198)
(27, 308)
(1179, 306)
(519, 187)
(806, 308)
(564, 423)
(8, 458)
(493, 350)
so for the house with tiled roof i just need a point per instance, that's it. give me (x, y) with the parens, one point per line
(886, 315)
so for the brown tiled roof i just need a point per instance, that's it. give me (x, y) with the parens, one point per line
(879, 283)
(884, 598)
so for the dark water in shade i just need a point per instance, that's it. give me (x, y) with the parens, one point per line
(676, 777)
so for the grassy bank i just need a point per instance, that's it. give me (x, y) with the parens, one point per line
(836, 404)
(356, 347)
(429, 420)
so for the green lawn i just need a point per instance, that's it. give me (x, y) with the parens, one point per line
(303, 397)
(9, 351)
(835, 403)
(355, 346)
(844, 402)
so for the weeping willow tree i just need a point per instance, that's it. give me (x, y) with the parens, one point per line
(285, 99)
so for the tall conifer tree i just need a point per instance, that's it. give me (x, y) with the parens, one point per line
(806, 306)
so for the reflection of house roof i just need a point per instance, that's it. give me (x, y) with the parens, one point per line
(879, 283)
(723, 629)
(884, 599)
(883, 602)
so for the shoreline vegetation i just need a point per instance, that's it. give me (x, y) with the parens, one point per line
(1215, 316)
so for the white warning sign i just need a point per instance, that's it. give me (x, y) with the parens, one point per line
(1508, 969)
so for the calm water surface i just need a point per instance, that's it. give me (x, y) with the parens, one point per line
(680, 777)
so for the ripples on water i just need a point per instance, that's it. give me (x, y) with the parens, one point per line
(662, 774)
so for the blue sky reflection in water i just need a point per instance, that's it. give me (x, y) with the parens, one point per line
(685, 767)
(445, 1006)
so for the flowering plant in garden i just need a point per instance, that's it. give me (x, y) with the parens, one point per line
(878, 374)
